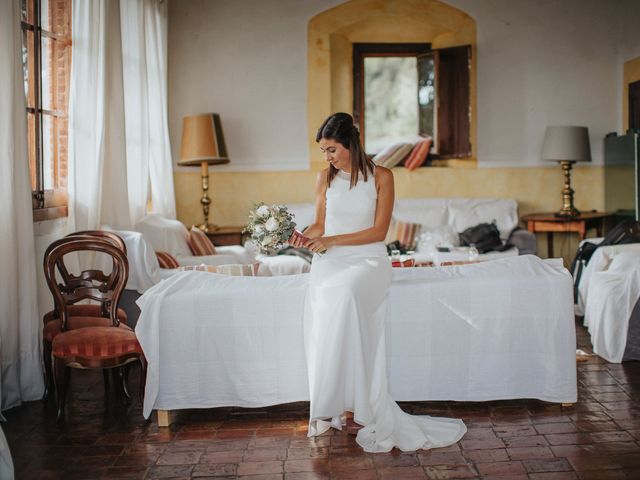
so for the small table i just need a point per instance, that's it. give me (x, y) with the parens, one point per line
(226, 236)
(549, 223)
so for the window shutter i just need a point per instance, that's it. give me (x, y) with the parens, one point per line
(452, 80)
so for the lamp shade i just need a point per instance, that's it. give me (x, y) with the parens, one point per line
(566, 143)
(202, 140)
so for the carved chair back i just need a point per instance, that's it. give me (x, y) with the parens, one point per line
(105, 288)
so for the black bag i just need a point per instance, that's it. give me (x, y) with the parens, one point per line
(484, 236)
(627, 231)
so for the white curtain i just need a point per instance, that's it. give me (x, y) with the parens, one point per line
(20, 330)
(144, 61)
(119, 141)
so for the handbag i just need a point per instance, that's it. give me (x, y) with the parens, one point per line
(484, 236)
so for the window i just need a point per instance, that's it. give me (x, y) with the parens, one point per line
(408, 89)
(46, 47)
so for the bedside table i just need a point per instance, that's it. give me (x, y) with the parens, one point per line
(548, 223)
(226, 236)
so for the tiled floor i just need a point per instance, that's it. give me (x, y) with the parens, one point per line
(599, 438)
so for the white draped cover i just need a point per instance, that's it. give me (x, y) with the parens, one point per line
(609, 290)
(118, 135)
(495, 330)
(20, 353)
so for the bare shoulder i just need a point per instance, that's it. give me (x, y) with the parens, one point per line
(383, 175)
(321, 180)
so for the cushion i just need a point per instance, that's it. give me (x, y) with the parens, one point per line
(96, 343)
(52, 328)
(164, 235)
(404, 232)
(393, 154)
(418, 155)
(166, 260)
(237, 269)
(466, 212)
(428, 212)
(84, 311)
(199, 243)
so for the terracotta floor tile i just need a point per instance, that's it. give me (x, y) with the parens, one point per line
(553, 476)
(504, 469)
(526, 441)
(547, 428)
(317, 465)
(569, 438)
(401, 473)
(264, 454)
(442, 472)
(306, 476)
(214, 470)
(547, 465)
(229, 456)
(522, 453)
(260, 468)
(435, 457)
(350, 463)
(174, 471)
(304, 453)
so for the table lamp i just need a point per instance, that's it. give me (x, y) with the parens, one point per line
(567, 145)
(203, 145)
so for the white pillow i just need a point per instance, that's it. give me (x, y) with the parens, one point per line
(468, 212)
(165, 235)
(304, 214)
(428, 212)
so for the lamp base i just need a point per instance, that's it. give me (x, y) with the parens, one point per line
(568, 212)
(208, 227)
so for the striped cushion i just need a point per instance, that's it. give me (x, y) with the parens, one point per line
(418, 155)
(404, 232)
(393, 154)
(166, 260)
(52, 328)
(234, 269)
(199, 243)
(84, 311)
(96, 343)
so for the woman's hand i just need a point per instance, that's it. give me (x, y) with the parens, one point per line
(297, 240)
(320, 244)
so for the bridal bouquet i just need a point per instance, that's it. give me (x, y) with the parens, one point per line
(270, 226)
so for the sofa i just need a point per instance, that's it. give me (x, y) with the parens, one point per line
(488, 331)
(442, 219)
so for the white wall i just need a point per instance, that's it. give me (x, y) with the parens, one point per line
(543, 62)
(247, 60)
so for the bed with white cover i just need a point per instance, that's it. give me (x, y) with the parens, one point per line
(488, 331)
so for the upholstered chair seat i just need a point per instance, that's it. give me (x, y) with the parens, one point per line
(99, 346)
(54, 327)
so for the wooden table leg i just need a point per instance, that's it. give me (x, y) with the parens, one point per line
(550, 244)
(164, 418)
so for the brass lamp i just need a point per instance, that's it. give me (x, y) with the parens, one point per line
(203, 145)
(567, 145)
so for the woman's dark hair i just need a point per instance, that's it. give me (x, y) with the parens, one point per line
(340, 128)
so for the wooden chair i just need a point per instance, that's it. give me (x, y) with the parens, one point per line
(92, 315)
(80, 343)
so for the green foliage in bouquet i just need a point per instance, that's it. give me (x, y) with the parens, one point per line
(270, 226)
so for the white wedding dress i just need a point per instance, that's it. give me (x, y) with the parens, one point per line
(345, 334)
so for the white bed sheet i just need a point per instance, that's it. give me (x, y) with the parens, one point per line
(495, 330)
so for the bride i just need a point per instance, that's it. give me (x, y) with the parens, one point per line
(346, 302)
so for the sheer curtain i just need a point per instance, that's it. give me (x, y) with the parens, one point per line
(119, 141)
(20, 353)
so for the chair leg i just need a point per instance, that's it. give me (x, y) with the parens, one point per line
(105, 378)
(49, 386)
(143, 377)
(61, 372)
(124, 372)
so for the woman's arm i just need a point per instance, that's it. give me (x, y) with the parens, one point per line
(377, 233)
(316, 229)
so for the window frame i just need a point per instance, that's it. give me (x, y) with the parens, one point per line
(362, 50)
(47, 203)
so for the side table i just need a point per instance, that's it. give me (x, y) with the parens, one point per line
(226, 236)
(549, 223)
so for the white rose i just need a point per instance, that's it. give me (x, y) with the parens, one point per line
(259, 229)
(272, 225)
(263, 211)
(266, 241)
